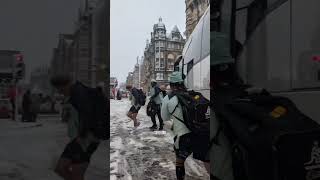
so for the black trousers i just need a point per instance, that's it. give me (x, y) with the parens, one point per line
(157, 108)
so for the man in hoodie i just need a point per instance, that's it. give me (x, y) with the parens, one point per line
(171, 109)
(156, 100)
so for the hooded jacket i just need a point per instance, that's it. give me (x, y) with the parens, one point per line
(156, 95)
(170, 110)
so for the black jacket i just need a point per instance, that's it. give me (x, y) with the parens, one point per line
(81, 100)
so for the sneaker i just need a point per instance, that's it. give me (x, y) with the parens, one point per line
(154, 127)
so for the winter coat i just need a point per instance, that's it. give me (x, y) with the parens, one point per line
(156, 95)
(82, 102)
(170, 110)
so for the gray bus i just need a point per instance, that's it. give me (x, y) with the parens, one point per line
(195, 60)
(280, 47)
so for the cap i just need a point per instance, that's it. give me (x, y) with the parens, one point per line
(176, 77)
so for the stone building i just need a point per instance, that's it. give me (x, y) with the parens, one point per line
(194, 11)
(160, 54)
(100, 43)
(61, 62)
(82, 51)
(85, 55)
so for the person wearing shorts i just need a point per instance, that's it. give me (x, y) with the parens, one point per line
(183, 138)
(76, 156)
(134, 110)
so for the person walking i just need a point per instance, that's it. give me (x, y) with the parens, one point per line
(135, 102)
(156, 100)
(171, 109)
(26, 107)
(12, 96)
(79, 111)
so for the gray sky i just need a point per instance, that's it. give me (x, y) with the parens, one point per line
(131, 24)
(33, 26)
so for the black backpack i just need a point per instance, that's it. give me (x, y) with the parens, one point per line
(270, 138)
(93, 110)
(151, 109)
(195, 108)
(100, 116)
(196, 117)
(141, 97)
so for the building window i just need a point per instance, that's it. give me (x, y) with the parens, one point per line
(162, 63)
(170, 64)
(159, 76)
(157, 64)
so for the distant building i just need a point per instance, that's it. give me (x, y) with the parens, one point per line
(136, 75)
(84, 55)
(82, 51)
(130, 79)
(61, 62)
(100, 43)
(160, 54)
(194, 11)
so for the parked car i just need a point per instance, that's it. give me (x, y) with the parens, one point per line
(5, 108)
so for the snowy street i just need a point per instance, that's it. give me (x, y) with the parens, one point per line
(29, 151)
(141, 154)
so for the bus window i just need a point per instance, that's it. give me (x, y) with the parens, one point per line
(256, 13)
(196, 70)
(189, 74)
(189, 66)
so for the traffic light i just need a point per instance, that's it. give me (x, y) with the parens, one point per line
(19, 68)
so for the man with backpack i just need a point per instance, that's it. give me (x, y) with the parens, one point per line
(156, 101)
(186, 139)
(87, 126)
(137, 98)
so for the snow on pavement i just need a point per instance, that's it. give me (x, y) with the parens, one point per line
(141, 154)
(29, 151)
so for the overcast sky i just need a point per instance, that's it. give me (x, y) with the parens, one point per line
(33, 26)
(131, 24)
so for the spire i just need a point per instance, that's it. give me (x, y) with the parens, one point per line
(175, 29)
(160, 19)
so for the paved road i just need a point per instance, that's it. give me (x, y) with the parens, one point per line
(29, 151)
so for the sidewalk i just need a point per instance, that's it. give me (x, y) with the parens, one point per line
(29, 151)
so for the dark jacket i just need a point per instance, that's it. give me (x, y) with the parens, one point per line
(81, 100)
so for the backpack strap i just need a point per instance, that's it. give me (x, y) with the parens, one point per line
(176, 116)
